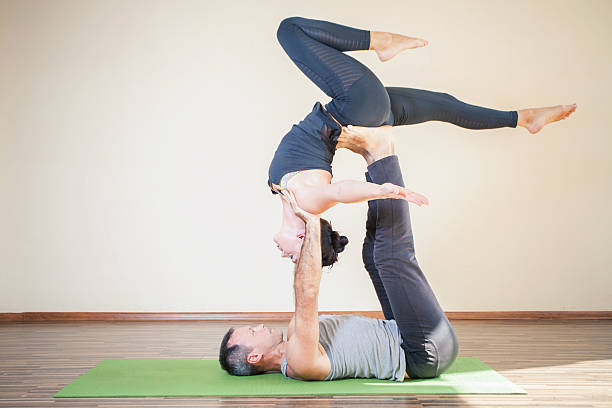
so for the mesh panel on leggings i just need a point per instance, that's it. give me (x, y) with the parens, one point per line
(336, 41)
(337, 71)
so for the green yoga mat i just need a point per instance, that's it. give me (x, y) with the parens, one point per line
(183, 378)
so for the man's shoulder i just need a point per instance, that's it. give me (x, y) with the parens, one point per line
(318, 369)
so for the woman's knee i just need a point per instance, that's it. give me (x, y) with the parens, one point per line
(286, 26)
(290, 20)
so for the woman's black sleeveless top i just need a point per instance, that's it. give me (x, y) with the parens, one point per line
(310, 144)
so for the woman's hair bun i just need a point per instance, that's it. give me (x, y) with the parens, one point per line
(339, 241)
(332, 243)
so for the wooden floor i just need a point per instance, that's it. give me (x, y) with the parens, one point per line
(559, 363)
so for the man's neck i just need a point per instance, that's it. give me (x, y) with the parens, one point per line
(275, 358)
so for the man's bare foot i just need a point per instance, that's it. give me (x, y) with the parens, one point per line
(373, 143)
(387, 45)
(536, 118)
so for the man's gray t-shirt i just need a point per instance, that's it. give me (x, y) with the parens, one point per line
(361, 347)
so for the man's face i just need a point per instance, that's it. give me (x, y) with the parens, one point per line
(259, 338)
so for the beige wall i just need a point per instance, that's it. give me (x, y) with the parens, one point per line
(135, 138)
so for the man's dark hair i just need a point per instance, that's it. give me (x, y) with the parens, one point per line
(234, 359)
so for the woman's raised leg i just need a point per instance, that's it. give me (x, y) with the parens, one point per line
(317, 48)
(411, 106)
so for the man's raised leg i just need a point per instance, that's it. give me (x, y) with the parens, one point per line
(429, 340)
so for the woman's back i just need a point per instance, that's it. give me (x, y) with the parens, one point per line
(310, 144)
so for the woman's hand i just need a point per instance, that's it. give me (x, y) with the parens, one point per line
(389, 190)
(305, 216)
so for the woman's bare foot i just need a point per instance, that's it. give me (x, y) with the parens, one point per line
(373, 143)
(535, 119)
(387, 45)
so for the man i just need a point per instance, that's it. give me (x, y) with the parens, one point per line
(415, 339)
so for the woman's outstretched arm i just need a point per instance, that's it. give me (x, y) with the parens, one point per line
(318, 199)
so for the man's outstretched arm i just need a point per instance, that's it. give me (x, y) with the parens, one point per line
(304, 356)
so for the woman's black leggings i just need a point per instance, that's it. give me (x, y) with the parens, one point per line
(358, 96)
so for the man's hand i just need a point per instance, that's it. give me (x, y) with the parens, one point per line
(305, 216)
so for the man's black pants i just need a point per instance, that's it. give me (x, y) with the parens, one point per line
(429, 340)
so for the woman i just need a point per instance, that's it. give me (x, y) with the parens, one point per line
(302, 161)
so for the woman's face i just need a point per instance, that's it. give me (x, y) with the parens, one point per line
(290, 244)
